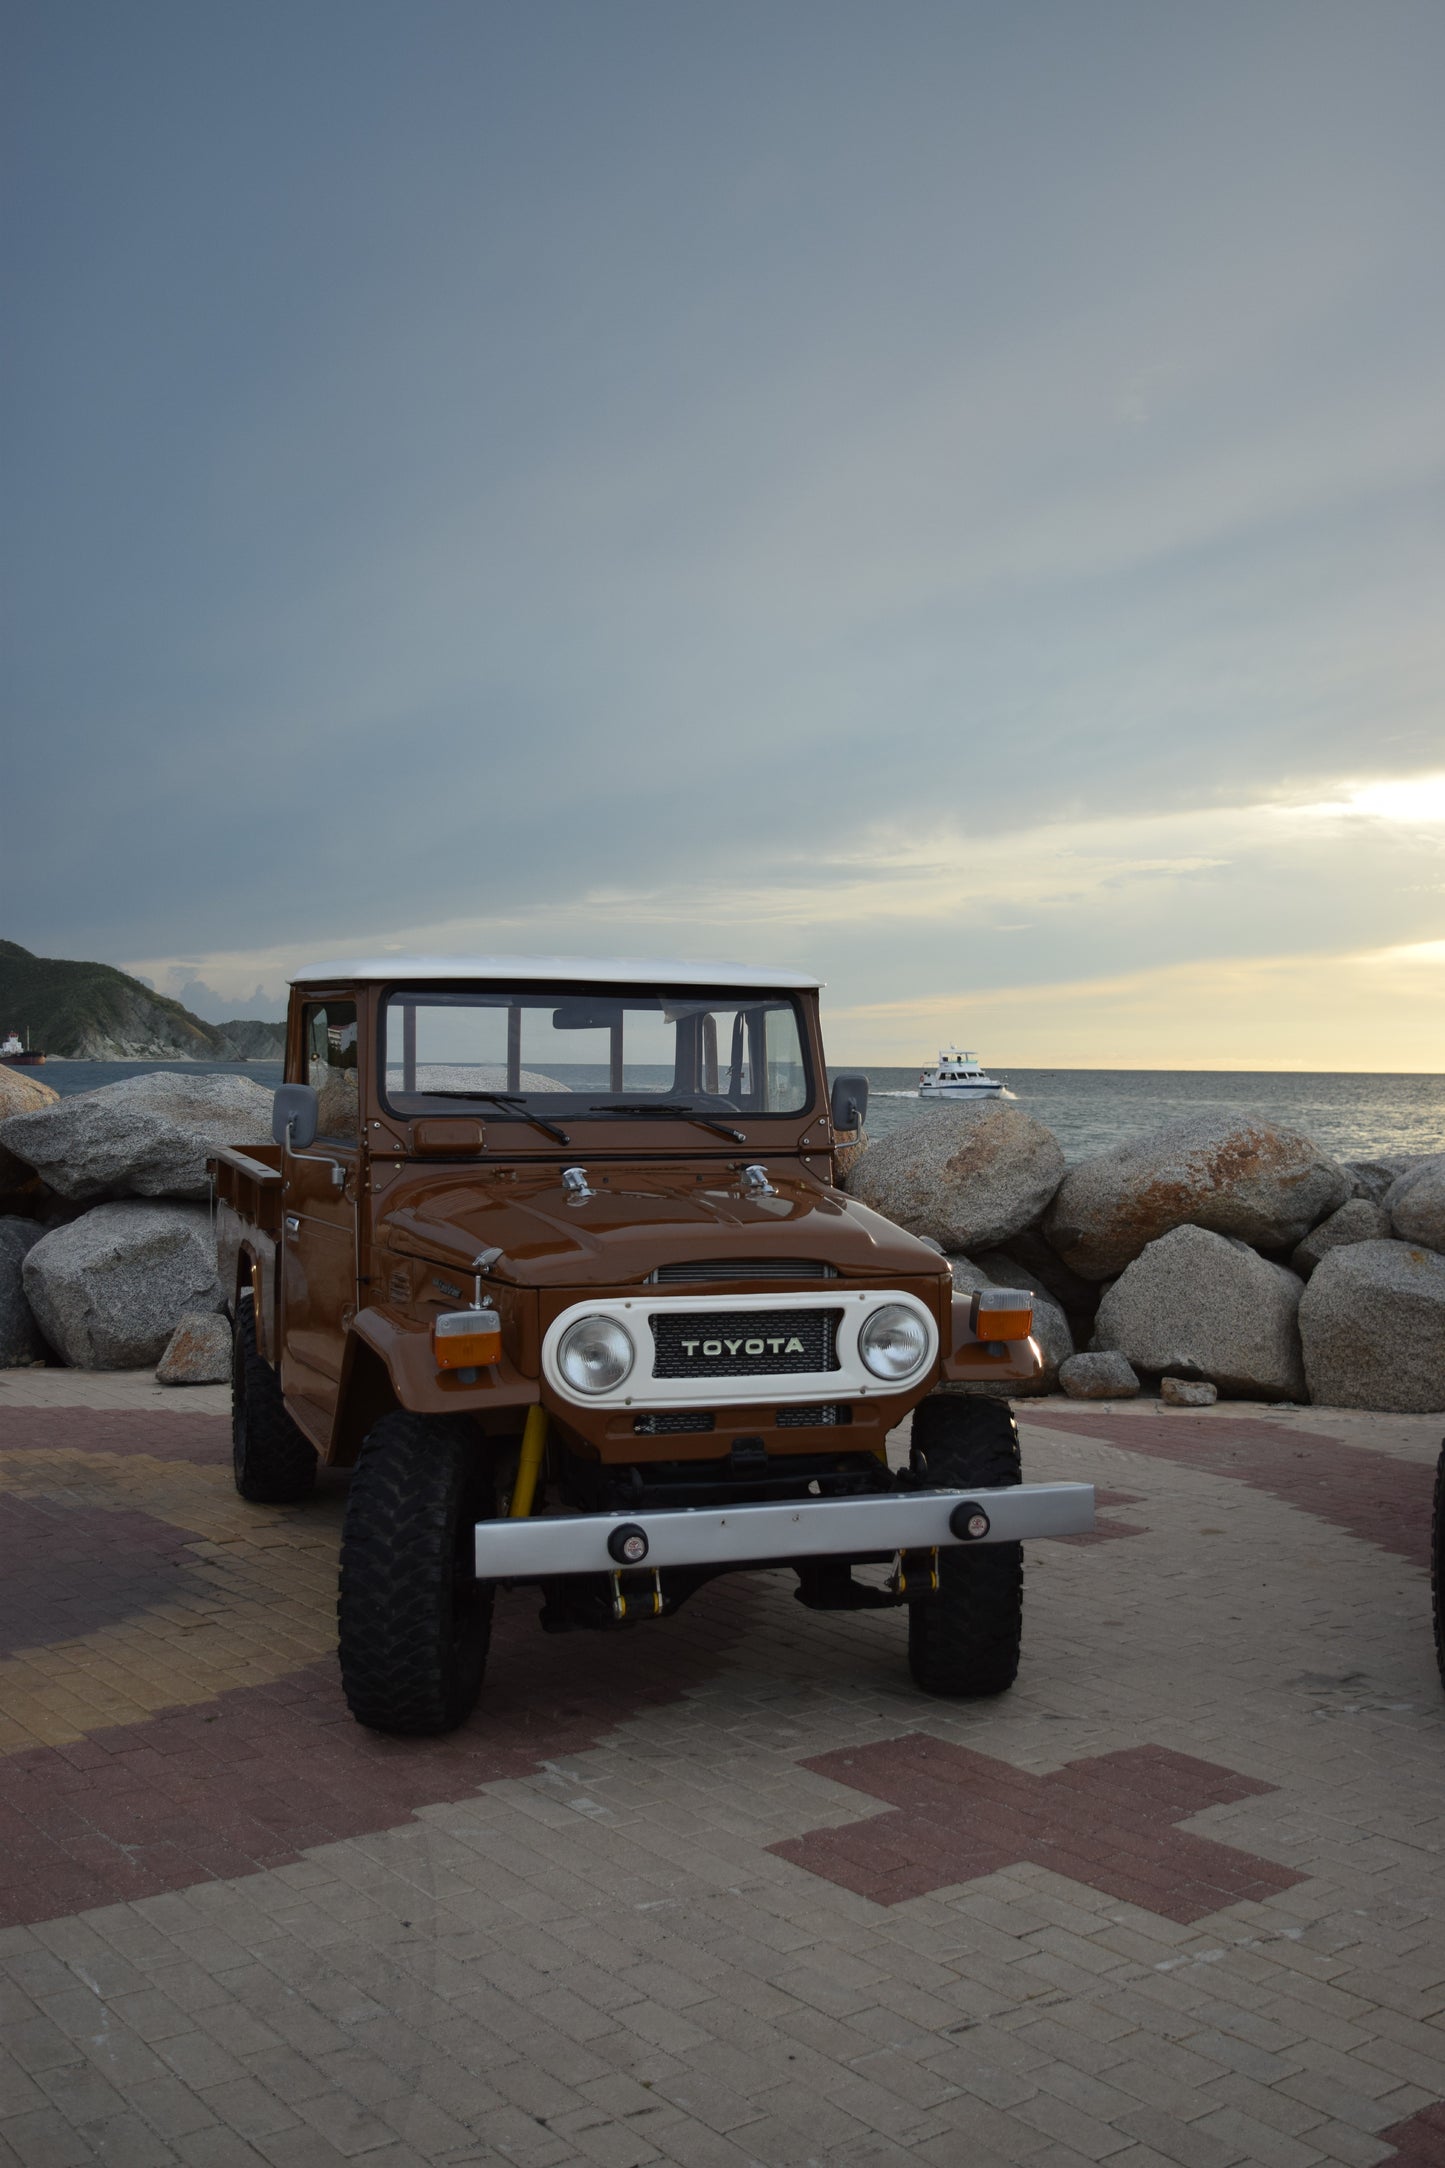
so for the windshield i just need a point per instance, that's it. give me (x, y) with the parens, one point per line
(594, 1051)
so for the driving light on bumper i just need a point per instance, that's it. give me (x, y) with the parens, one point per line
(893, 1342)
(595, 1355)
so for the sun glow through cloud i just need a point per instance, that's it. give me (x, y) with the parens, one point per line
(1408, 800)
(967, 931)
(1416, 798)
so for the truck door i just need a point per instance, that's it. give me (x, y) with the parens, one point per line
(319, 1218)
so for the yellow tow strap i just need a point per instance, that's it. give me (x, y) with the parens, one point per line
(529, 1462)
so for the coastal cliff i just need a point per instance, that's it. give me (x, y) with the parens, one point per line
(92, 1012)
(254, 1041)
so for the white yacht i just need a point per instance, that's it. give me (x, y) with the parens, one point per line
(958, 1076)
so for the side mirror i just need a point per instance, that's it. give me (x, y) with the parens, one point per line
(294, 1115)
(849, 1107)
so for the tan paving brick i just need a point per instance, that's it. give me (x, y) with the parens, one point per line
(43, 2138)
(1071, 2125)
(247, 2107)
(1181, 2142)
(128, 2141)
(1257, 2141)
(81, 2094)
(1270, 2105)
(299, 2147)
(37, 2045)
(217, 2148)
(346, 2123)
(19, 2094)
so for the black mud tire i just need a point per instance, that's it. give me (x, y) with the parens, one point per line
(1437, 1563)
(273, 1462)
(414, 1622)
(964, 1641)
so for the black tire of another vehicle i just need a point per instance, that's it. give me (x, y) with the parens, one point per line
(414, 1622)
(964, 1640)
(1437, 1563)
(273, 1462)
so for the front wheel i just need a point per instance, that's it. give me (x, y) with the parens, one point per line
(964, 1640)
(414, 1622)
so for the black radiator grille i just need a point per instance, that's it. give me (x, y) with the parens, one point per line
(744, 1343)
(658, 1426)
(833, 1411)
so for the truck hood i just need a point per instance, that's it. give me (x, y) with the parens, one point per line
(639, 1218)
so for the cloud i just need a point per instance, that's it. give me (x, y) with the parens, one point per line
(1364, 1012)
(773, 480)
(1251, 901)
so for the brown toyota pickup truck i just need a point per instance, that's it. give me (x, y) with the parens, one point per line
(550, 1254)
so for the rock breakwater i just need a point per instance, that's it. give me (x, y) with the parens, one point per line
(106, 1247)
(1222, 1251)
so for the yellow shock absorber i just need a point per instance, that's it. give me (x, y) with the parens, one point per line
(529, 1462)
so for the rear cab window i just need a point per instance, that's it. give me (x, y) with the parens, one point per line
(328, 1055)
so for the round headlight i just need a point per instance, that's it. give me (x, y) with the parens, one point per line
(893, 1341)
(594, 1355)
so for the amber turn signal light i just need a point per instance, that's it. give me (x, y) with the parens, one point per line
(467, 1339)
(1001, 1313)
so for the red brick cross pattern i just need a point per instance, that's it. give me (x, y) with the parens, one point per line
(1106, 1821)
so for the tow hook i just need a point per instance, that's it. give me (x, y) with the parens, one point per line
(915, 1574)
(648, 1605)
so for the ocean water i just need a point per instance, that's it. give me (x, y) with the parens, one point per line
(66, 1077)
(1353, 1117)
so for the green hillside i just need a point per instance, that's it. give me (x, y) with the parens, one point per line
(92, 1012)
(253, 1040)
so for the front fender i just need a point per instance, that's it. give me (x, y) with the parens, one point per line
(974, 1362)
(404, 1348)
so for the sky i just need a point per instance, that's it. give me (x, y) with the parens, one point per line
(948, 497)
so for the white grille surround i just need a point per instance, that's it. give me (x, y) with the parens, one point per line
(850, 1380)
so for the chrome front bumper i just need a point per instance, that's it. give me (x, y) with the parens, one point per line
(805, 1528)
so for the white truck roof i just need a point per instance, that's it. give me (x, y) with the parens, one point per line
(588, 970)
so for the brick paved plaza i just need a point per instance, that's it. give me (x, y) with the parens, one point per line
(726, 1890)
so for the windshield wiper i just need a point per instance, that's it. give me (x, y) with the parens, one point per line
(704, 1121)
(509, 1100)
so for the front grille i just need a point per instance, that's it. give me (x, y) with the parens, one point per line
(830, 1412)
(653, 1485)
(657, 1426)
(741, 1268)
(743, 1343)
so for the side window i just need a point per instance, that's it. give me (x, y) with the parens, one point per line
(330, 1046)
